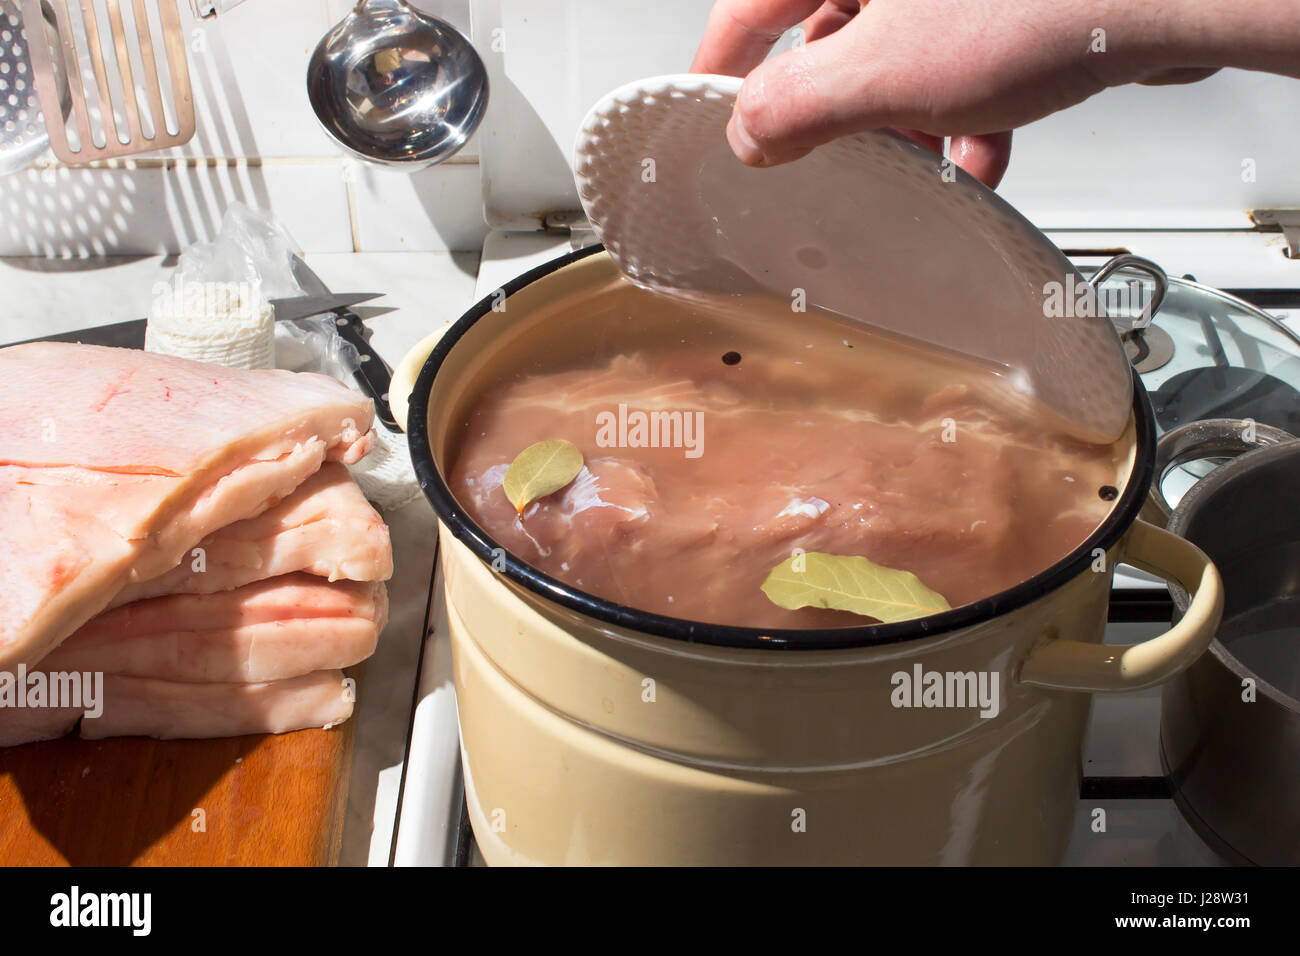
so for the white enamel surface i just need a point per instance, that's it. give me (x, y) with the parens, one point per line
(430, 801)
(1169, 157)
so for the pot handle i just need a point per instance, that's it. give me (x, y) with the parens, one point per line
(1137, 264)
(1208, 438)
(404, 376)
(1077, 665)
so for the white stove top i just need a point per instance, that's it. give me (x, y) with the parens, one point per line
(1121, 768)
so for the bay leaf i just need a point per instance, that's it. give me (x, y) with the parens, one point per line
(851, 583)
(539, 470)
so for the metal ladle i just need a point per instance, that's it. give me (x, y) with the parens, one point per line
(397, 87)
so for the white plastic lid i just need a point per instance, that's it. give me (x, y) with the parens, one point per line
(871, 226)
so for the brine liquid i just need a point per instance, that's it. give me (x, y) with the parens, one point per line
(721, 435)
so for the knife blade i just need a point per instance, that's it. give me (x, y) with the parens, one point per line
(130, 334)
(305, 306)
(373, 374)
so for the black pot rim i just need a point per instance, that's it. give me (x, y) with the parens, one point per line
(486, 549)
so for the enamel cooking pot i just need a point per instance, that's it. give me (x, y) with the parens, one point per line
(594, 733)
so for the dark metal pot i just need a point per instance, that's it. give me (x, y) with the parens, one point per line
(1230, 724)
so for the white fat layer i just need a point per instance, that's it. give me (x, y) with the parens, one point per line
(584, 493)
(805, 507)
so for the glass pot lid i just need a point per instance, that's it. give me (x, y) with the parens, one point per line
(1208, 355)
(1212, 355)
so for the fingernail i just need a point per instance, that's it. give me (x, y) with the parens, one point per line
(742, 144)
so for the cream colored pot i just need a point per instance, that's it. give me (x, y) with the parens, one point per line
(597, 734)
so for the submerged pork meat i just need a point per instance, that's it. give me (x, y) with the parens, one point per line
(140, 707)
(326, 528)
(265, 631)
(928, 480)
(114, 463)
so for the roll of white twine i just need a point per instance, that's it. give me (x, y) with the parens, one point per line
(234, 328)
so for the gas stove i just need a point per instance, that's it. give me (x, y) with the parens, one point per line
(1126, 815)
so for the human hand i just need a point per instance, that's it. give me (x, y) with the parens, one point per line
(970, 69)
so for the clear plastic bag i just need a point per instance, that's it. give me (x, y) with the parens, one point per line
(253, 247)
(254, 250)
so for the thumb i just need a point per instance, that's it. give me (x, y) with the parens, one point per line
(794, 102)
(985, 156)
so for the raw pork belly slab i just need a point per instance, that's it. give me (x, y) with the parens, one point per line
(326, 527)
(139, 707)
(114, 463)
(25, 725)
(270, 630)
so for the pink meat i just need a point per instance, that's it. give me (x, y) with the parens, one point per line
(326, 527)
(265, 631)
(139, 707)
(31, 724)
(792, 457)
(114, 463)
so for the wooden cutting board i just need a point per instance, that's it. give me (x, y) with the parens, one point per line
(268, 800)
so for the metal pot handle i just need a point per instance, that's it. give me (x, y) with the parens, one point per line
(1137, 263)
(1211, 438)
(1080, 666)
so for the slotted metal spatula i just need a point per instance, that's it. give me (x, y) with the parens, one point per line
(116, 74)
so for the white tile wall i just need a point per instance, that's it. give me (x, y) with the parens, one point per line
(1103, 164)
(257, 141)
(436, 208)
(142, 209)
